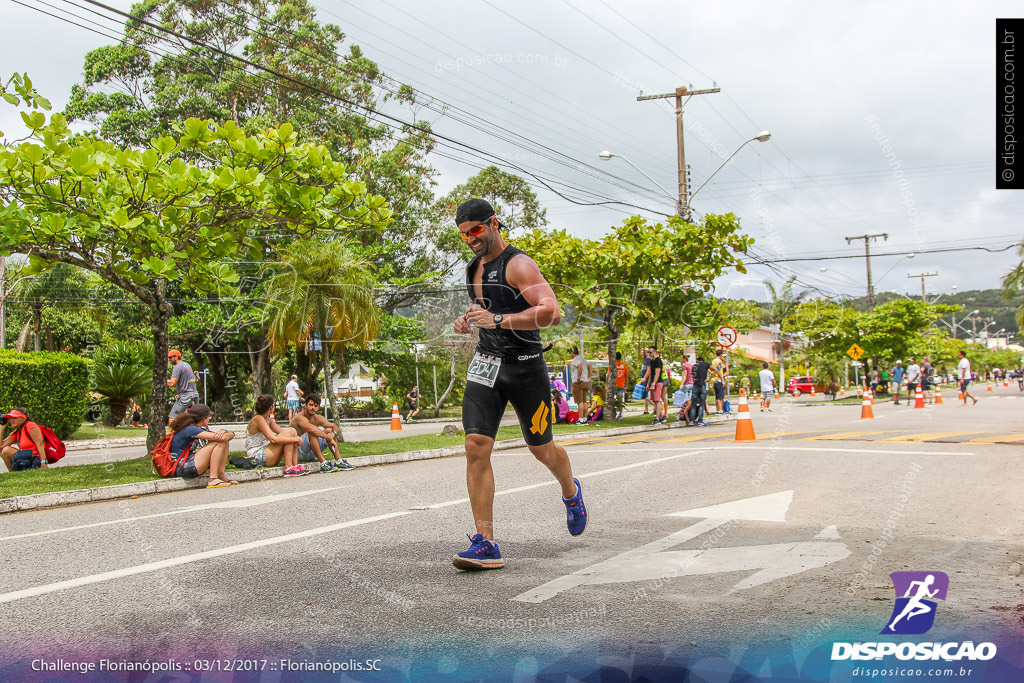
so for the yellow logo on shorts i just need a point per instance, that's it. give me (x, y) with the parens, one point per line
(540, 419)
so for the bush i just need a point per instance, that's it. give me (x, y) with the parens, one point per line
(53, 387)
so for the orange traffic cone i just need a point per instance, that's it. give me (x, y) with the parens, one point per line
(842, 391)
(1006, 381)
(919, 398)
(990, 385)
(812, 390)
(396, 419)
(938, 395)
(860, 391)
(960, 396)
(744, 427)
(866, 411)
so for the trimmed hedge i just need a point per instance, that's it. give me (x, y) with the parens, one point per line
(53, 387)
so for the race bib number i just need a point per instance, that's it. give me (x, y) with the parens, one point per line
(483, 370)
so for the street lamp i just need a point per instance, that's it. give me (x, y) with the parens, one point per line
(605, 155)
(763, 136)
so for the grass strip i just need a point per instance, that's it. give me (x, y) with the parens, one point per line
(141, 469)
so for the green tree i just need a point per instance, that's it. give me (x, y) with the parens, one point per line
(1013, 287)
(325, 296)
(781, 306)
(122, 372)
(141, 219)
(636, 273)
(142, 87)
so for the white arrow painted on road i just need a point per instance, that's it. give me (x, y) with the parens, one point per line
(654, 561)
(241, 503)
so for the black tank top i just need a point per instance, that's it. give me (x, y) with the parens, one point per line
(500, 297)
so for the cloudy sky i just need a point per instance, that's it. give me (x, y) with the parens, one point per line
(881, 115)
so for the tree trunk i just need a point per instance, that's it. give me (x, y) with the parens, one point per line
(161, 316)
(451, 383)
(259, 360)
(304, 369)
(19, 345)
(37, 326)
(118, 409)
(325, 359)
(613, 344)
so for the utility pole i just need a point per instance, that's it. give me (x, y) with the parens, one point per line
(3, 300)
(922, 276)
(867, 256)
(683, 203)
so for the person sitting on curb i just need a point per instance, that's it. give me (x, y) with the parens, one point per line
(561, 407)
(306, 423)
(209, 449)
(266, 443)
(596, 408)
(23, 448)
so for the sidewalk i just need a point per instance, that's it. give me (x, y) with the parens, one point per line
(56, 498)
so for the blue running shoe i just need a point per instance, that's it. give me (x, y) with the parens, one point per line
(342, 465)
(481, 555)
(576, 511)
(328, 466)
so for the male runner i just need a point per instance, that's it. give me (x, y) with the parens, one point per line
(511, 301)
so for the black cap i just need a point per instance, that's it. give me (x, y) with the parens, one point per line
(475, 210)
(199, 410)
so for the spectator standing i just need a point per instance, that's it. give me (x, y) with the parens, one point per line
(184, 380)
(767, 378)
(317, 434)
(655, 382)
(927, 379)
(293, 396)
(412, 402)
(266, 443)
(209, 450)
(897, 380)
(913, 378)
(883, 383)
(23, 448)
(645, 371)
(963, 371)
(579, 373)
(621, 380)
(875, 379)
(700, 392)
(686, 368)
(719, 373)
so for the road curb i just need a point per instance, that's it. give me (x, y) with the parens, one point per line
(38, 501)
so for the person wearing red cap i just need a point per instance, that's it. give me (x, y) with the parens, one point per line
(24, 444)
(184, 380)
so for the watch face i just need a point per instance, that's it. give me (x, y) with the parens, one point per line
(498, 317)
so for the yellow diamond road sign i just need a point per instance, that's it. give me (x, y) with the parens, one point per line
(855, 352)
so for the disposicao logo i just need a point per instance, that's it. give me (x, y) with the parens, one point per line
(914, 614)
(916, 592)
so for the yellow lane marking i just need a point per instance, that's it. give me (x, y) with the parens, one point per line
(912, 438)
(998, 439)
(699, 437)
(845, 435)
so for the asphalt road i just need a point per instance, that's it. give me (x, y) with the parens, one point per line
(699, 550)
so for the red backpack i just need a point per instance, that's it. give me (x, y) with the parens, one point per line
(163, 461)
(54, 447)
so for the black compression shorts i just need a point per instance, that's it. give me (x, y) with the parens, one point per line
(525, 384)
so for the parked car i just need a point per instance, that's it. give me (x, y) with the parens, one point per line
(800, 385)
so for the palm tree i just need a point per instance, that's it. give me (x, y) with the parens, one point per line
(323, 292)
(781, 306)
(123, 371)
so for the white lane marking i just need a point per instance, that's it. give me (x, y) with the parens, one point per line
(244, 547)
(241, 503)
(610, 470)
(653, 560)
(770, 508)
(829, 449)
(186, 559)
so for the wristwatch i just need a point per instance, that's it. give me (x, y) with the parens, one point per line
(498, 317)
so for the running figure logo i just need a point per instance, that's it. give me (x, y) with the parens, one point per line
(914, 613)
